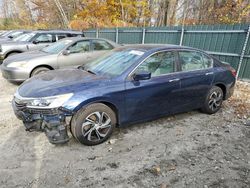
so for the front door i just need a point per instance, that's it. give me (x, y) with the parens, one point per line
(148, 99)
(77, 54)
(41, 40)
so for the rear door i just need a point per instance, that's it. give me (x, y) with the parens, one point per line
(196, 78)
(77, 55)
(147, 99)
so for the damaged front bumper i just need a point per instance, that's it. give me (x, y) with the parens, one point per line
(53, 122)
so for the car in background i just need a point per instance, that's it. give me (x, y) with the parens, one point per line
(12, 34)
(34, 41)
(5, 33)
(66, 53)
(2, 32)
(128, 85)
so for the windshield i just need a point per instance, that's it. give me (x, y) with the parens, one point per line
(16, 34)
(6, 33)
(24, 37)
(56, 47)
(114, 63)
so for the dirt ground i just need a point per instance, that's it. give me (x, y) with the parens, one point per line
(185, 150)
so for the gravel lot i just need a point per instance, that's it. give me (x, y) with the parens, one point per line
(186, 150)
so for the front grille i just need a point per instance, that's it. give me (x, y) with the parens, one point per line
(42, 111)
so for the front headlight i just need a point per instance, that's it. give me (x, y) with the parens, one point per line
(49, 102)
(17, 64)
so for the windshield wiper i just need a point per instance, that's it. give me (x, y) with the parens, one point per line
(91, 72)
(83, 68)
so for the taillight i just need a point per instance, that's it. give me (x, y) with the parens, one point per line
(233, 71)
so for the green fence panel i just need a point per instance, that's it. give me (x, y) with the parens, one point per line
(90, 33)
(216, 42)
(107, 34)
(245, 69)
(159, 35)
(130, 35)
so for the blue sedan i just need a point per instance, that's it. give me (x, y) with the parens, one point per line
(130, 84)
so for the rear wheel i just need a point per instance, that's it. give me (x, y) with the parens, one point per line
(39, 70)
(213, 100)
(94, 124)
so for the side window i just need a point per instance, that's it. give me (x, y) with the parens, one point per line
(79, 47)
(101, 45)
(73, 35)
(208, 62)
(61, 36)
(158, 64)
(44, 38)
(192, 61)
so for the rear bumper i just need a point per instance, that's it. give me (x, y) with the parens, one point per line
(14, 74)
(52, 122)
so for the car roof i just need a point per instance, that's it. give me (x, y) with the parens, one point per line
(80, 38)
(58, 31)
(155, 47)
(75, 39)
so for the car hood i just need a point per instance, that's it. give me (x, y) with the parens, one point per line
(59, 82)
(26, 56)
(5, 39)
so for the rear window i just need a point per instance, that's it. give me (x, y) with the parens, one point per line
(101, 45)
(61, 36)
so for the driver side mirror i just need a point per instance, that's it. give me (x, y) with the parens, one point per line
(80, 67)
(35, 42)
(65, 52)
(143, 75)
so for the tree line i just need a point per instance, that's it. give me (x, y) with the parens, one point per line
(83, 14)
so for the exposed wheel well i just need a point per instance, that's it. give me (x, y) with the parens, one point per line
(224, 89)
(47, 66)
(11, 53)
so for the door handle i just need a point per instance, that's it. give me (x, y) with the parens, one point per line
(209, 73)
(174, 80)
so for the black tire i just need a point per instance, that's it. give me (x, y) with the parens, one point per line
(39, 70)
(81, 125)
(213, 100)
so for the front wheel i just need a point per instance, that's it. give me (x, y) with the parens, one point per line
(94, 124)
(39, 70)
(12, 53)
(213, 100)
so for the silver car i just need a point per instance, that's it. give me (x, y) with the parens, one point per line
(34, 41)
(66, 53)
(8, 36)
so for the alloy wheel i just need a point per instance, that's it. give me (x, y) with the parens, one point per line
(215, 100)
(96, 126)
